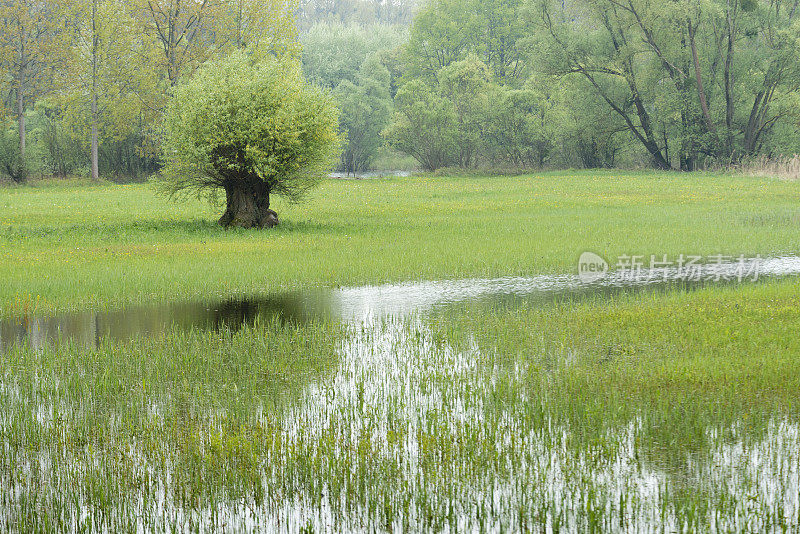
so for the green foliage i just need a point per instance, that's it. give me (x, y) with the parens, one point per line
(605, 85)
(334, 52)
(355, 12)
(602, 84)
(10, 160)
(690, 86)
(61, 154)
(424, 126)
(242, 121)
(349, 60)
(465, 84)
(447, 31)
(464, 117)
(519, 129)
(365, 110)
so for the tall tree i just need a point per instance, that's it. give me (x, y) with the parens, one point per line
(182, 30)
(28, 51)
(259, 26)
(703, 76)
(187, 33)
(446, 31)
(102, 74)
(365, 108)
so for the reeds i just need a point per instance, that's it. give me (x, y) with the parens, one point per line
(783, 167)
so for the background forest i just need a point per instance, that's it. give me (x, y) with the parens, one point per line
(427, 85)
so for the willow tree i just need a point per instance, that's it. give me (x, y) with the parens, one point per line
(691, 81)
(251, 129)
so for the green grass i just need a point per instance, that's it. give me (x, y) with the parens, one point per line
(69, 245)
(675, 411)
(190, 414)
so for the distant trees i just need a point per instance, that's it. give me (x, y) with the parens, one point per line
(365, 107)
(106, 67)
(351, 62)
(102, 74)
(356, 12)
(252, 128)
(592, 83)
(466, 96)
(600, 82)
(29, 53)
(689, 81)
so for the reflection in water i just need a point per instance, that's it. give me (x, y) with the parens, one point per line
(362, 305)
(410, 433)
(89, 328)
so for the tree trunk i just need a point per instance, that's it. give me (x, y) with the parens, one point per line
(248, 206)
(95, 112)
(95, 143)
(701, 93)
(729, 82)
(22, 171)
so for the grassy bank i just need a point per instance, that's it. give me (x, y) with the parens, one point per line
(68, 245)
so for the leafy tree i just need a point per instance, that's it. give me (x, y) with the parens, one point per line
(424, 126)
(61, 153)
(9, 151)
(252, 129)
(442, 33)
(689, 81)
(520, 128)
(442, 123)
(349, 60)
(103, 85)
(446, 31)
(29, 52)
(260, 26)
(465, 84)
(365, 110)
(180, 31)
(334, 52)
(356, 12)
(187, 34)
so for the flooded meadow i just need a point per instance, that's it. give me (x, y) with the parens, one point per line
(655, 404)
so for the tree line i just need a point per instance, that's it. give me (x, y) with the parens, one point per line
(577, 83)
(92, 77)
(452, 83)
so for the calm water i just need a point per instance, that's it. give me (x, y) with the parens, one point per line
(350, 454)
(369, 303)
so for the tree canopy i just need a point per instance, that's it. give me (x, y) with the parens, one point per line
(465, 83)
(253, 128)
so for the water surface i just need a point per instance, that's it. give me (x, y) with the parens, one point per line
(366, 304)
(405, 433)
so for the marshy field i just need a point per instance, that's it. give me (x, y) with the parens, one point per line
(404, 354)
